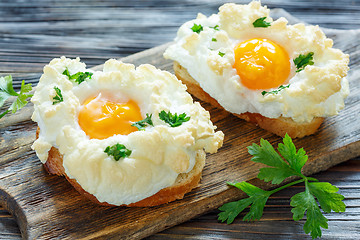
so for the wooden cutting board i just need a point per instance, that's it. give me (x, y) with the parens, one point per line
(47, 207)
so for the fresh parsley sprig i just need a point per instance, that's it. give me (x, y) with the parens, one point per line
(197, 28)
(260, 22)
(277, 172)
(7, 90)
(117, 151)
(303, 60)
(173, 120)
(58, 97)
(276, 91)
(143, 123)
(78, 77)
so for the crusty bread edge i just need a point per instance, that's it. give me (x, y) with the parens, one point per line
(279, 126)
(184, 183)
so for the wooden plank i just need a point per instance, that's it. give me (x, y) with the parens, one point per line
(97, 30)
(48, 207)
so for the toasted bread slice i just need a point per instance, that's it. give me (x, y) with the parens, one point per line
(279, 126)
(184, 183)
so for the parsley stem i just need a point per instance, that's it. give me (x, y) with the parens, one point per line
(287, 185)
(4, 113)
(304, 179)
(312, 179)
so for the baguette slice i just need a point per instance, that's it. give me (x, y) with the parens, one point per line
(279, 126)
(184, 183)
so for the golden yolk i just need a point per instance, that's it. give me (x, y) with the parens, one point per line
(101, 118)
(261, 64)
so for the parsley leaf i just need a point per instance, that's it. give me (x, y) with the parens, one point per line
(257, 199)
(7, 90)
(214, 39)
(266, 154)
(327, 196)
(78, 77)
(66, 73)
(296, 160)
(303, 60)
(58, 97)
(117, 151)
(305, 202)
(142, 123)
(232, 209)
(197, 28)
(279, 169)
(276, 91)
(173, 120)
(216, 27)
(260, 22)
(221, 54)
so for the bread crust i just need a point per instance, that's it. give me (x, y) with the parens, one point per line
(184, 183)
(279, 126)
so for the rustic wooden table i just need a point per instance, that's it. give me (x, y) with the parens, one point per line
(34, 32)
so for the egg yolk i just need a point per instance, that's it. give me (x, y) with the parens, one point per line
(101, 118)
(261, 64)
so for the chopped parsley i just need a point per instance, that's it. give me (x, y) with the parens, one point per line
(7, 90)
(143, 123)
(214, 39)
(221, 54)
(216, 27)
(276, 91)
(260, 22)
(276, 172)
(197, 28)
(58, 97)
(117, 151)
(303, 60)
(78, 77)
(173, 120)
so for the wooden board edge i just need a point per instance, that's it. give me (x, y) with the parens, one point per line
(12, 206)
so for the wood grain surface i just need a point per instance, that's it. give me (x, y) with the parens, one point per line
(43, 31)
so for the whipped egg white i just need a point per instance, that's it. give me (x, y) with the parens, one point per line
(318, 90)
(159, 153)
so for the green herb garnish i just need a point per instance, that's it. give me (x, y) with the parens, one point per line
(281, 87)
(214, 39)
(173, 120)
(277, 172)
(142, 123)
(216, 27)
(117, 151)
(58, 97)
(260, 22)
(303, 60)
(221, 54)
(78, 77)
(197, 28)
(7, 90)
